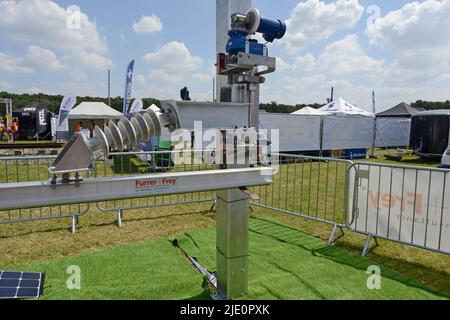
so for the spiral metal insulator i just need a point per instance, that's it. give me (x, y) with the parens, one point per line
(81, 152)
(128, 132)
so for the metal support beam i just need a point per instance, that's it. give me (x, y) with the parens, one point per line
(41, 194)
(232, 244)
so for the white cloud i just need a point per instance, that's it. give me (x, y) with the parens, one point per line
(418, 36)
(123, 38)
(44, 23)
(313, 20)
(43, 58)
(5, 85)
(11, 64)
(294, 84)
(82, 89)
(294, 89)
(306, 62)
(417, 25)
(93, 60)
(148, 24)
(411, 62)
(346, 58)
(34, 90)
(162, 91)
(140, 80)
(174, 56)
(78, 76)
(202, 77)
(165, 76)
(282, 65)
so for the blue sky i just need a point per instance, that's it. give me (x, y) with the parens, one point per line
(403, 54)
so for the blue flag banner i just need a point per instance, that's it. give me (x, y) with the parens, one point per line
(137, 106)
(62, 131)
(128, 84)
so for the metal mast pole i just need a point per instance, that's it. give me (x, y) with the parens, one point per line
(374, 142)
(224, 10)
(109, 88)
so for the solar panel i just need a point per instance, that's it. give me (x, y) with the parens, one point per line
(21, 285)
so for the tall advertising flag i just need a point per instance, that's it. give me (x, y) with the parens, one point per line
(62, 131)
(128, 84)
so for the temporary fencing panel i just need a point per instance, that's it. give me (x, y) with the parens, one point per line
(403, 204)
(309, 187)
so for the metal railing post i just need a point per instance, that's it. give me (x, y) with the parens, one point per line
(119, 217)
(74, 224)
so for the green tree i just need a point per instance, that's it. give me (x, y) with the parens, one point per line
(53, 102)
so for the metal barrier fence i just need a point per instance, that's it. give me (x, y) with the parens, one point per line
(405, 204)
(29, 169)
(25, 168)
(138, 163)
(46, 213)
(309, 187)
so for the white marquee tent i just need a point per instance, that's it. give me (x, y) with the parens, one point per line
(341, 107)
(308, 111)
(93, 111)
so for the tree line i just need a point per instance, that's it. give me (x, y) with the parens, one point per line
(428, 105)
(53, 103)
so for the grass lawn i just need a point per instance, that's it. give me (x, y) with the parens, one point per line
(285, 263)
(41, 242)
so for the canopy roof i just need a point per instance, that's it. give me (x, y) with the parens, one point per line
(342, 107)
(311, 112)
(93, 111)
(33, 107)
(401, 110)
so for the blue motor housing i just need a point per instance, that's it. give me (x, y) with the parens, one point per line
(238, 43)
(271, 29)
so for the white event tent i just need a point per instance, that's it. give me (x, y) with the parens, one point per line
(308, 111)
(341, 107)
(94, 111)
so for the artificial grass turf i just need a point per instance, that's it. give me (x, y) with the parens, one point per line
(285, 264)
(146, 270)
(288, 264)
